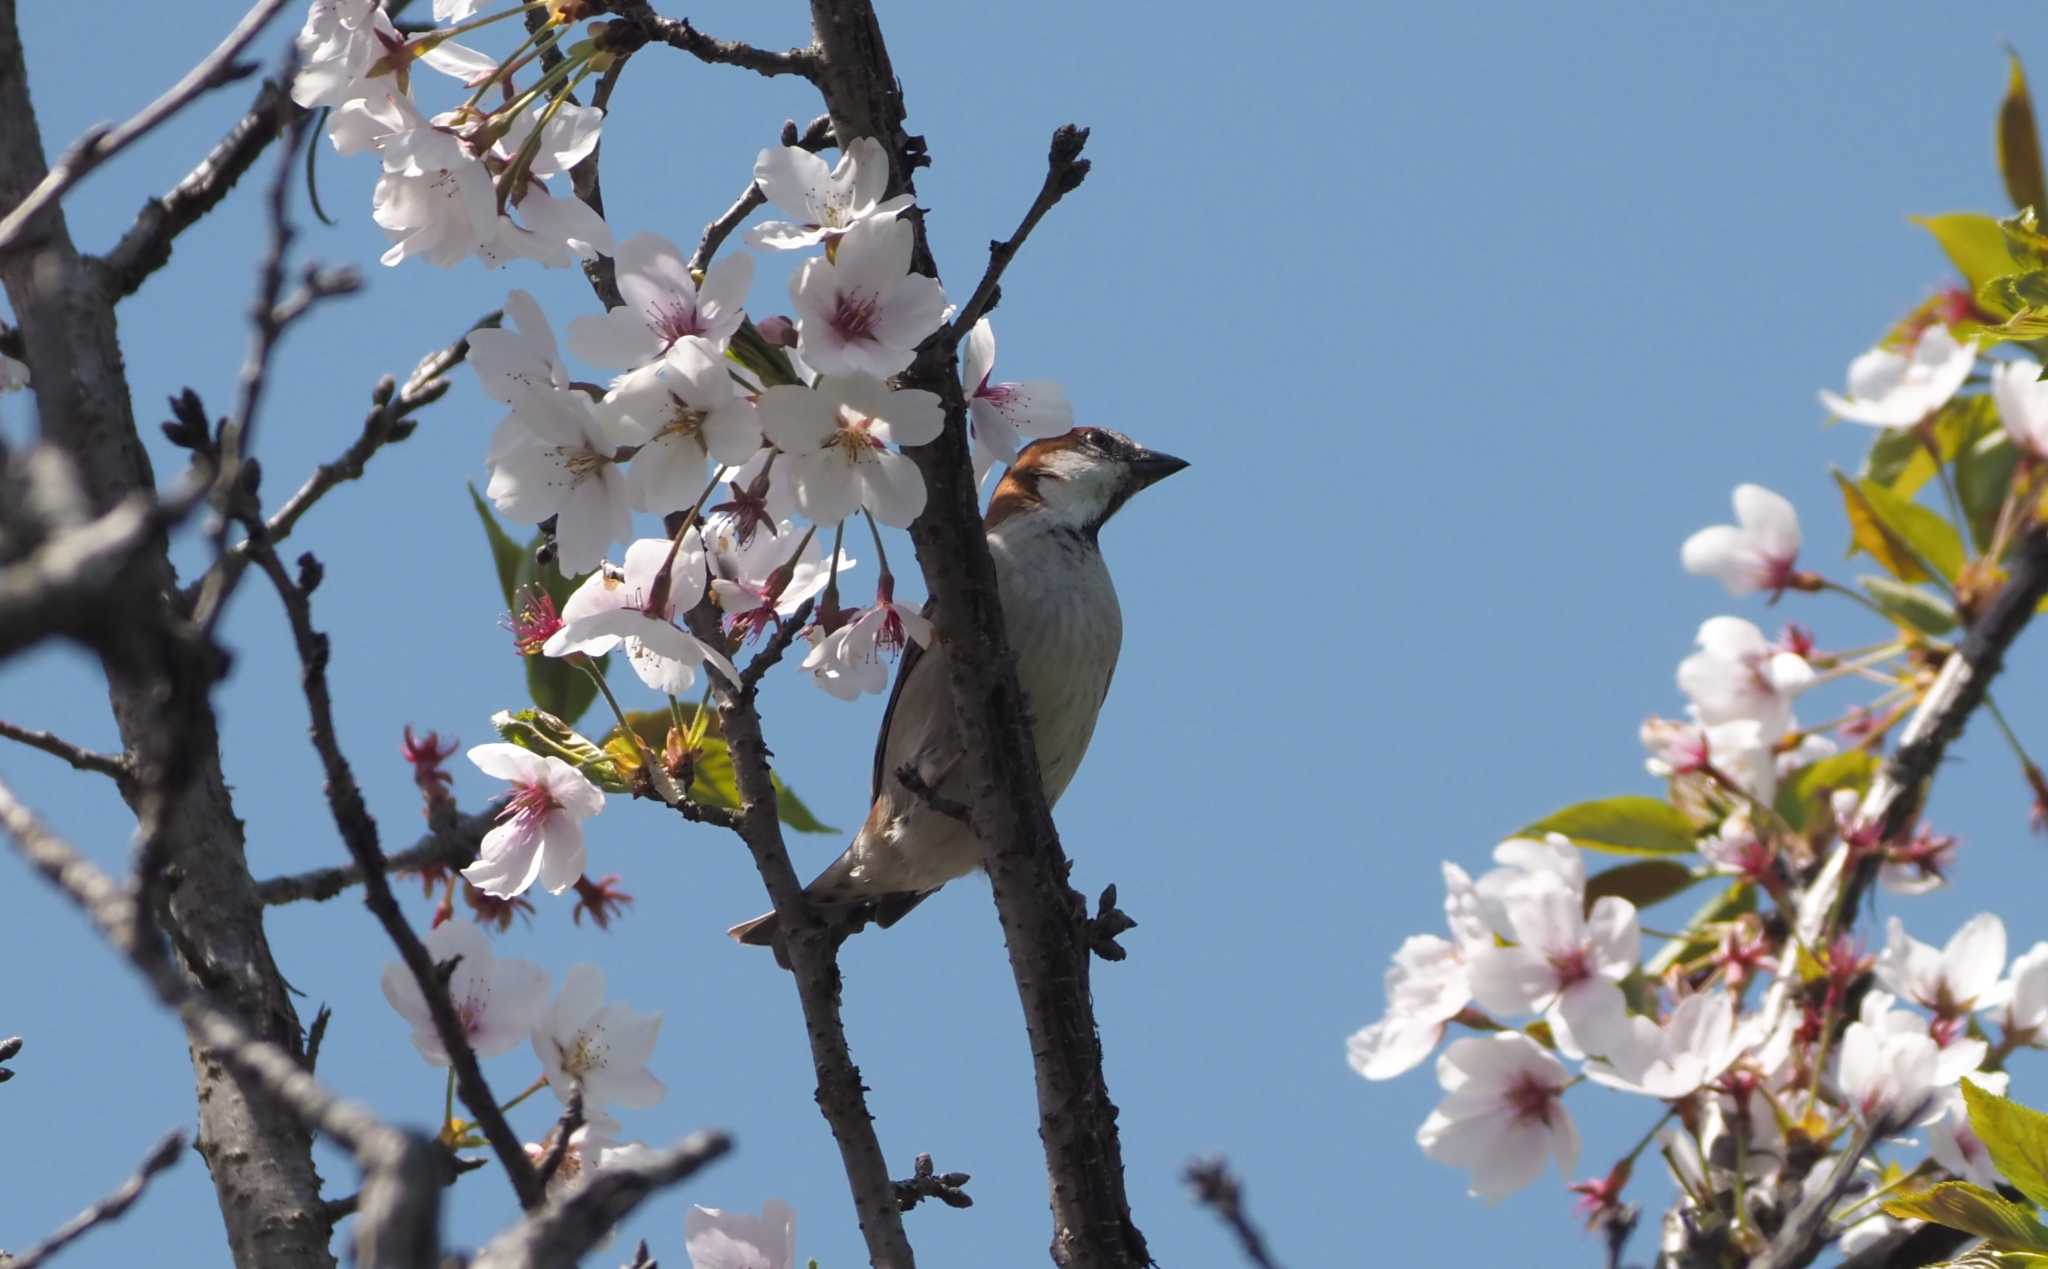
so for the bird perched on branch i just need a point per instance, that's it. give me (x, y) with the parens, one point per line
(1065, 628)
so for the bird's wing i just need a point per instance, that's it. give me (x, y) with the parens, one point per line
(913, 657)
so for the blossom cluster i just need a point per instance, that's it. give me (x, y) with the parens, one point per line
(1769, 1055)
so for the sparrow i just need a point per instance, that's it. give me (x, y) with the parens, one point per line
(1065, 629)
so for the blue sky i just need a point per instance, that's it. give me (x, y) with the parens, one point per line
(1465, 316)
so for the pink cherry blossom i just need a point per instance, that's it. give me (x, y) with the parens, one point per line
(664, 304)
(825, 202)
(497, 1001)
(1503, 1114)
(1892, 389)
(863, 310)
(1758, 553)
(635, 606)
(838, 437)
(539, 836)
(1003, 416)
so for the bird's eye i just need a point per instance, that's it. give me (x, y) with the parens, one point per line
(1095, 438)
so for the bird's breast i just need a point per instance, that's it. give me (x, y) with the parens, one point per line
(1066, 629)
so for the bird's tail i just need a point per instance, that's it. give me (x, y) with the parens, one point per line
(759, 932)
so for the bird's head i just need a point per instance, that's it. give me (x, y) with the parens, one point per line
(1078, 480)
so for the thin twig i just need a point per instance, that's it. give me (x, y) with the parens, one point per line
(109, 1209)
(1217, 1188)
(114, 766)
(774, 650)
(563, 1231)
(588, 184)
(816, 137)
(679, 33)
(359, 832)
(102, 143)
(1065, 169)
(558, 1149)
(455, 849)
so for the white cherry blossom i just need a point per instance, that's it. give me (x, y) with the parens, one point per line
(435, 198)
(862, 310)
(718, 1239)
(2022, 404)
(603, 1047)
(633, 606)
(519, 357)
(764, 579)
(1891, 389)
(683, 410)
(837, 437)
(1891, 1070)
(1755, 554)
(664, 305)
(1503, 1114)
(1522, 862)
(1961, 978)
(840, 676)
(539, 836)
(340, 41)
(1566, 963)
(1003, 416)
(1954, 1144)
(1700, 1039)
(555, 455)
(497, 1001)
(2025, 1014)
(1739, 674)
(824, 201)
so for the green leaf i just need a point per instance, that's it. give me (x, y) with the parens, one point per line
(1867, 533)
(2024, 240)
(1906, 539)
(2016, 294)
(2019, 145)
(543, 733)
(1627, 825)
(1899, 460)
(1983, 477)
(1910, 606)
(712, 779)
(1974, 1210)
(505, 553)
(1738, 898)
(1974, 244)
(2017, 1138)
(1642, 882)
(1805, 792)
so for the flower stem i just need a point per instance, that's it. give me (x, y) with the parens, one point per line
(538, 1084)
(830, 604)
(875, 530)
(589, 666)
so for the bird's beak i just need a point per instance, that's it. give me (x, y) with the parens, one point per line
(1151, 467)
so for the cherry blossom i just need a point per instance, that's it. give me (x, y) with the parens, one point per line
(1890, 1069)
(587, 1146)
(539, 836)
(1891, 389)
(602, 1047)
(1003, 416)
(683, 410)
(1426, 986)
(664, 304)
(552, 231)
(556, 455)
(497, 1001)
(840, 676)
(885, 627)
(862, 310)
(1524, 861)
(340, 41)
(837, 436)
(1736, 849)
(1566, 963)
(1961, 978)
(1739, 674)
(762, 580)
(1692, 1047)
(435, 198)
(1757, 553)
(1502, 1115)
(1954, 1144)
(718, 1239)
(826, 202)
(2025, 1016)
(513, 361)
(636, 606)
(2022, 404)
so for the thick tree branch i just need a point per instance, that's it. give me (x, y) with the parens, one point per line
(102, 143)
(109, 1209)
(359, 832)
(455, 849)
(565, 1230)
(678, 33)
(254, 1141)
(1065, 169)
(1042, 918)
(812, 951)
(114, 766)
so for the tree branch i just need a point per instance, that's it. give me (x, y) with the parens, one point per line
(558, 1149)
(1042, 918)
(114, 766)
(927, 1182)
(102, 143)
(812, 952)
(455, 848)
(1065, 169)
(109, 1209)
(1217, 1189)
(564, 1231)
(359, 831)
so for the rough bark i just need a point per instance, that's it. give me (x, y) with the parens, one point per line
(256, 1147)
(1042, 917)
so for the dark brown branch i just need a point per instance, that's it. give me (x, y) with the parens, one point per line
(775, 649)
(1065, 169)
(927, 1182)
(811, 949)
(564, 1231)
(453, 849)
(584, 179)
(816, 137)
(109, 1209)
(558, 1149)
(1217, 1189)
(359, 832)
(102, 143)
(114, 766)
(678, 33)
(1042, 917)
